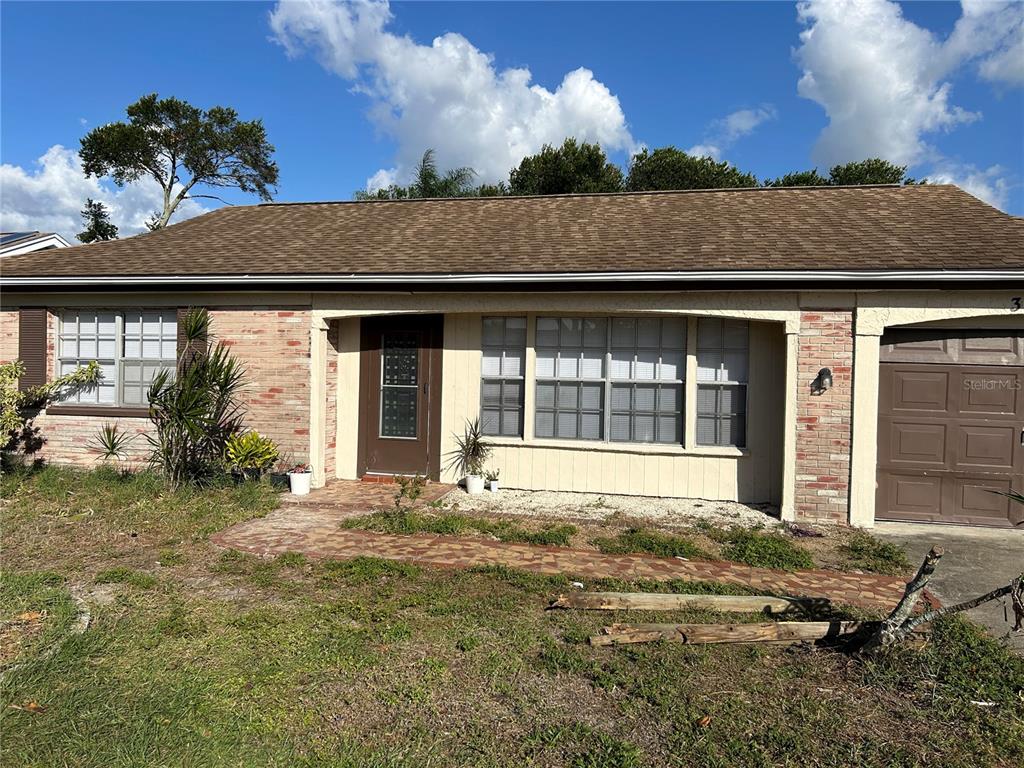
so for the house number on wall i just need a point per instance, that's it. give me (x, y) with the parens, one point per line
(1015, 304)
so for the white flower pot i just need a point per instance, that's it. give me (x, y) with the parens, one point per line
(299, 482)
(492, 485)
(474, 484)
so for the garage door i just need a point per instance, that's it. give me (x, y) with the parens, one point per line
(951, 426)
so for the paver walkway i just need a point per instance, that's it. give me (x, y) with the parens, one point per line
(313, 528)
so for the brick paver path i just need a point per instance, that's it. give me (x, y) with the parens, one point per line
(313, 528)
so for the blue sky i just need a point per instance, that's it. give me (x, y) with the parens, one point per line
(351, 95)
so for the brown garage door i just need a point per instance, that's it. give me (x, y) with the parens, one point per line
(951, 426)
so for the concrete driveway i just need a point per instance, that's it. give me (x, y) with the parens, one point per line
(976, 561)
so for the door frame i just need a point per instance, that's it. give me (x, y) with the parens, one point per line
(434, 326)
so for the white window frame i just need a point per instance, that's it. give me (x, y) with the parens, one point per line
(119, 358)
(501, 377)
(608, 382)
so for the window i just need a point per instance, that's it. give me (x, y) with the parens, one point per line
(130, 347)
(502, 376)
(636, 364)
(648, 364)
(722, 359)
(571, 377)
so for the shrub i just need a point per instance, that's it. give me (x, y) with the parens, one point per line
(111, 442)
(18, 407)
(250, 453)
(764, 550)
(637, 540)
(471, 450)
(195, 410)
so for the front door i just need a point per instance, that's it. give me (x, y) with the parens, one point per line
(399, 397)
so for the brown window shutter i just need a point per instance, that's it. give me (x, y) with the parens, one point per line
(199, 346)
(32, 347)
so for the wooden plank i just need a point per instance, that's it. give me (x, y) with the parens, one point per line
(771, 632)
(653, 601)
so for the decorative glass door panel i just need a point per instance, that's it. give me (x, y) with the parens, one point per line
(399, 389)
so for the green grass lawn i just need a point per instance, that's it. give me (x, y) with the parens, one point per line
(198, 657)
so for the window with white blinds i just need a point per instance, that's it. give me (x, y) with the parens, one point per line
(502, 379)
(648, 365)
(130, 346)
(636, 365)
(722, 362)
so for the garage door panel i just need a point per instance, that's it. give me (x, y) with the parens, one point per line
(917, 444)
(920, 391)
(989, 393)
(989, 349)
(985, 447)
(977, 500)
(912, 495)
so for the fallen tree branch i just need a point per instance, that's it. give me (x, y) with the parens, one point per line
(657, 601)
(901, 623)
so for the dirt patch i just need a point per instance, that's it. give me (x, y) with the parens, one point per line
(565, 506)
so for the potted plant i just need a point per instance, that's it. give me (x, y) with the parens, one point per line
(299, 478)
(492, 480)
(470, 455)
(249, 454)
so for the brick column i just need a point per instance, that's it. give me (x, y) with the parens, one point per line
(823, 439)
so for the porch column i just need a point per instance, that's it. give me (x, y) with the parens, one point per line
(864, 446)
(317, 399)
(788, 508)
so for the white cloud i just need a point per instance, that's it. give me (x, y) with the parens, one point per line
(882, 79)
(447, 95)
(50, 197)
(726, 131)
(989, 184)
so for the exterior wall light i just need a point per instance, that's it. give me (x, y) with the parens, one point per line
(822, 382)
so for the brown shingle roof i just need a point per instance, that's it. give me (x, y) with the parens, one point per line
(853, 228)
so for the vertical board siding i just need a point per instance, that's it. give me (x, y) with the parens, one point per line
(754, 477)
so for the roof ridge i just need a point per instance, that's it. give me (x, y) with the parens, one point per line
(562, 195)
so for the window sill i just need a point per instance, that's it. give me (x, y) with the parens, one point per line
(124, 412)
(653, 449)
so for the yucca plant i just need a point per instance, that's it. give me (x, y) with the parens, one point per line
(111, 442)
(250, 453)
(195, 407)
(471, 450)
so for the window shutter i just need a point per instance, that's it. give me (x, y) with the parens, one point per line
(199, 345)
(32, 347)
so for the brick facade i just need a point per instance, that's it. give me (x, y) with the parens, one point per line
(272, 344)
(8, 335)
(824, 421)
(331, 394)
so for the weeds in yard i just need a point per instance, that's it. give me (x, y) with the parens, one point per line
(122, 575)
(404, 521)
(864, 552)
(761, 549)
(639, 541)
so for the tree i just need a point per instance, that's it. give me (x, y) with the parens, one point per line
(182, 146)
(98, 225)
(671, 168)
(456, 182)
(809, 178)
(568, 169)
(871, 171)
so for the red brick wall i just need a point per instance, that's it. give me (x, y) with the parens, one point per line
(272, 344)
(331, 406)
(824, 421)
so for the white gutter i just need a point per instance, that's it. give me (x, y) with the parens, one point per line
(774, 276)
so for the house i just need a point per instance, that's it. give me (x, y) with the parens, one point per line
(848, 354)
(13, 243)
